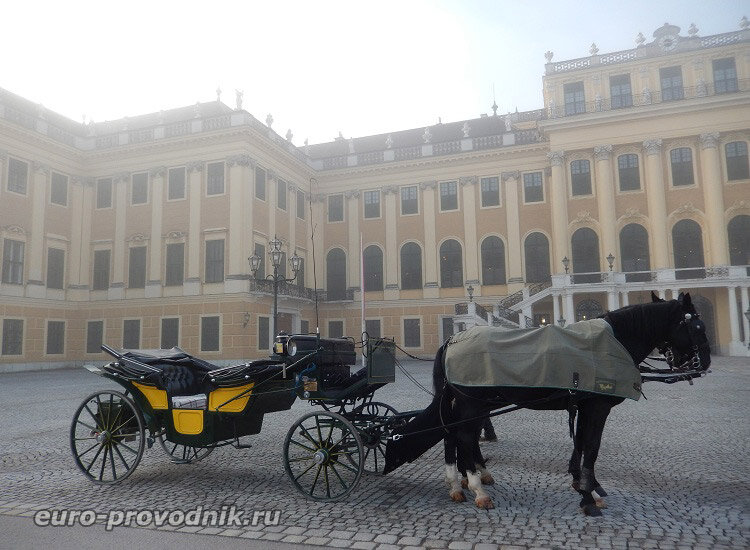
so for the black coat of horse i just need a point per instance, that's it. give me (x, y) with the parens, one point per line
(456, 414)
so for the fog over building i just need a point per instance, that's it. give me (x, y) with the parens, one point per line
(632, 177)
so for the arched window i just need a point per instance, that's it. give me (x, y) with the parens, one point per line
(687, 242)
(411, 266)
(336, 274)
(634, 252)
(451, 264)
(585, 247)
(738, 231)
(373, 268)
(493, 261)
(737, 161)
(588, 309)
(536, 254)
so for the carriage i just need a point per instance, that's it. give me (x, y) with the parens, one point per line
(190, 407)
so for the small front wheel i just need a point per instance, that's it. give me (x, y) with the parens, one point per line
(107, 437)
(323, 456)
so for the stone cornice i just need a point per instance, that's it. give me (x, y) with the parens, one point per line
(652, 146)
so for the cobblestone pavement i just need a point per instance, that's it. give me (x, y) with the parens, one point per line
(677, 467)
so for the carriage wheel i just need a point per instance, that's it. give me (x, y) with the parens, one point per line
(183, 454)
(374, 434)
(323, 456)
(107, 437)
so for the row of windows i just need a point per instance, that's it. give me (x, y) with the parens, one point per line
(634, 257)
(628, 171)
(18, 177)
(621, 93)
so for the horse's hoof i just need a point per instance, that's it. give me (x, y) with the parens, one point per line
(485, 503)
(600, 503)
(458, 496)
(487, 479)
(591, 510)
(465, 483)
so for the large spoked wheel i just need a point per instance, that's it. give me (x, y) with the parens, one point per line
(323, 456)
(370, 422)
(183, 454)
(107, 437)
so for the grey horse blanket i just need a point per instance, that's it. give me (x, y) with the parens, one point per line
(583, 356)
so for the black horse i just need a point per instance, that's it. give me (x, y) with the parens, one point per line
(456, 414)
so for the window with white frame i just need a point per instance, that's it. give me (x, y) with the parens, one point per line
(448, 195)
(215, 261)
(55, 267)
(372, 204)
(101, 270)
(18, 176)
(490, 191)
(137, 267)
(176, 183)
(409, 200)
(104, 193)
(215, 178)
(13, 252)
(58, 189)
(139, 188)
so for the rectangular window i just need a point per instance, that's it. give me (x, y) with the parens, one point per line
(94, 336)
(409, 200)
(490, 191)
(737, 161)
(574, 99)
(580, 177)
(620, 92)
(175, 269)
(336, 208)
(682, 166)
(170, 332)
(104, 193)
(12, 336)
(210, 333)
(18, 175)
(304, 327)
(139, 190)
(372, 204)
(101, 269)
(533, 191)
(13, 262)
(448, 195)
(671, 83)
(215, 178)
(260, 184)
(372, 326)
(447, 326)
(55, 267)
(335, 329)
(176, 184)
(137, 267)
(281, 194)
(260, 251)
(301, 205)
(725, 75)
(215, 261)
(59, 189)
(627, 168)
(131, 334)
(412, 333)
(263, 333)
(55, 337)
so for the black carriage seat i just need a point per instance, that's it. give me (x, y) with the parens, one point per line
(180, 373)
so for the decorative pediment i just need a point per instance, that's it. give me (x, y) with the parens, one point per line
(14, 229)
(176, 236)
(137, 238)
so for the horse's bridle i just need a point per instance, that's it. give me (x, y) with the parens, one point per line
(693, 362)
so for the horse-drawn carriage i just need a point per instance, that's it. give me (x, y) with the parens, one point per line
(191, 407)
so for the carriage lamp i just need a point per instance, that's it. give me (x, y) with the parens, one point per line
(566, 263)
(470, 290)
(610, 260)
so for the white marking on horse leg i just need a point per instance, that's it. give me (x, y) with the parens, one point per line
(485, 476)
(482, 499)
(452, 478)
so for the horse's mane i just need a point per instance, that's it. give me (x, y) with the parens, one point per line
(636, 326)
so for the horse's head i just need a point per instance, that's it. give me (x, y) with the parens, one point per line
(686, 347)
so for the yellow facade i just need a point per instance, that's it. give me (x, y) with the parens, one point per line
(651, 137)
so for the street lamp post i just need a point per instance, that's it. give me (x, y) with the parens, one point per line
(610, 260)
(276, 255)
(470, 290)
(566, 263)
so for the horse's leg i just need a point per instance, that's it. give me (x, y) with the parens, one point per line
(574, 466)
(467, 463)
(451, 471)
(484, 474)
(596, 410)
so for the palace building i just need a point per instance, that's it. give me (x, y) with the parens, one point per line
(632, 177)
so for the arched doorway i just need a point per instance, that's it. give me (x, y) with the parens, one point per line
(588, 309)
(634, 252)
(706, 310)
(585, 247)
(336, 274)
(536, 254)
(687, 241)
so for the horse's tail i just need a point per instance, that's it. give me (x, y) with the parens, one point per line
(425, 430)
